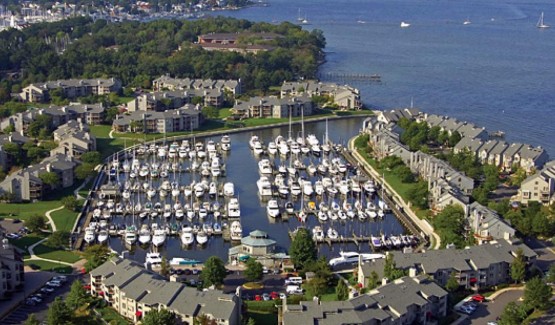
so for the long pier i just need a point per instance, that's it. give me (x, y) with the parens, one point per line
(354, 239)
(361, 77)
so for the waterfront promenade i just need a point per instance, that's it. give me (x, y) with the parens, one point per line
(423, 225)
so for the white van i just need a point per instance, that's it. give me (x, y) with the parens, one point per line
(294, 280)
(293, 290)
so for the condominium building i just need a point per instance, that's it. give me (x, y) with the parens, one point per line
(185, 118)
(274, 107)
(345, 97)
(133, 292)
(166, 82)
(11, 270)
(72, 88)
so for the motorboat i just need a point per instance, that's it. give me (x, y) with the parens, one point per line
(202, 238)
(130, 235)
(229, 189)
(332, 233)
(272, 148)
(376, 242)
(187, 237)
(318, 233)
(144, 235)
(159, 237)
(90, 235)
(102, 237)
(217, 229)
(353, 257)
(404, 24)
(233, 208)
(153, 259)
(265, 167)
(272, 209)
(253, 140)
(289, 207)
(322, 216)
(236, 231)
(225, 142)
(264, 186)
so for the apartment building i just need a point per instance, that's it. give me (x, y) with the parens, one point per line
(345, 97)
(166, 82)
(17, 138)
(133, 292)
(73, 139)
(539, 187)
(164, 100)
(274, 107)
(12, 271)
(185, 118)
(475, 267)
(71, 88)
(408, 300)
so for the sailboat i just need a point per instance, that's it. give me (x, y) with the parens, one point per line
(541, 24)
(404, 24)
(467, 21)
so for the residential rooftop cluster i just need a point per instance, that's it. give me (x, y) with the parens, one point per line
(344, 96)
(408, 300)
(446, 185)
(133, 291)
(186, 118)
(70, 88)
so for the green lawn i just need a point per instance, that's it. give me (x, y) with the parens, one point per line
(25, 210)
(263, 318)
(64, 219)
(48, 266)
(55, 254)
(24, 242)
(84, 192)
(110, 316)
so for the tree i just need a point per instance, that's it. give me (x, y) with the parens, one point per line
(418, 195)
(454, 138)
(70, 202)
(91, 157)
(165, 267)
(254, 270)
(32, 320)
(59, 313)
(35, 223)
(95, 256)
(210, 112)
(214, 272)
(84, 171)
(316, 287)
(537, 294)
(302, 249)
(50, 178)
(449, 224)
(518, 266)
(159, 317)
(550, 276)
(373, 280)
(513, 314)
(58, 239)
(77, 296)
(452, 284)
(342, 290)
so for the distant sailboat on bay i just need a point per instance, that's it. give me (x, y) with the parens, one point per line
(404, 24)
(541, 24)
(467, 21)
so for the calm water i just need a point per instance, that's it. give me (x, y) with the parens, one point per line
(242, 170)
(498, 71)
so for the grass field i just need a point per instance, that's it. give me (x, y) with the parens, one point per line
(24, 242)
(49, 266)
(56, 255)
(110, 316)
(263, 318)
(64, 219)
(25, 210)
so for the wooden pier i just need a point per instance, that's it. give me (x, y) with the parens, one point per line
(360, 77)
(353, 239)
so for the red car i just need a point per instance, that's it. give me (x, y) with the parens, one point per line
(478, 298)
(258, 298)
(274, 295)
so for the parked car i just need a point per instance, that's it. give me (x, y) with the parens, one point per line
(47, 290)
(265, 270)
(274, 295)
(258, 298)
(55, 284)
(60, 278)
(196, 271)
(282, 296)
(478, 298)
(30, 302)
(36, 298)
(266, 296)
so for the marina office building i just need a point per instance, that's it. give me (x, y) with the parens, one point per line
(133, 291)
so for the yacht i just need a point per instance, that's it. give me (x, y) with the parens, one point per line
(264, 186)
(283, 190)
(332, 233)
(187, 237)
(404, 24)
(130, 235)
(376, 242)
(229, 189)
(272, 209)
(217, 229)
(322, 215)
(159, 237)
(102, 237)
(353, 257)
(236, 231)
(153, 259)
(307, 188)
(89, 235)
(202, 238)
(289, 207)
(253, 140)
(225, 143)
(233, 208)
(265, 167)
(144, 235)
(318, 233)
(272, 148)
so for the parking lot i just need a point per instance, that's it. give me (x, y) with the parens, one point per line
(489, 311)
(39, 304)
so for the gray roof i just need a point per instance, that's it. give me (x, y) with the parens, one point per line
(488, 146)
(483, 218)
(257, 238)
(190, 301)
(76, 83)
(473, 145)
(127, 118)
(434, 120)
(528, 152)
(187, 83)
(499, 148)
(386, 302)
(513, 149)
(470, 130)
(459, 259)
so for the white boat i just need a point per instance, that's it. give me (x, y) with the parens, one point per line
(467, 21)
(322, 215)
(289, 207)
(375, 241)
(130, 235)
(236, 231)
(253, 140)
(404, 24)
(159, 237)
(318, 233)
(233, 208)
(225, 143)
(229, 189)
(332, 233)
(272, 209)
(307, 188)
(296, 189)
(217, 229)
(258, 149)
(264, 186)
(102, 237)
(272, 148)
(89, 235)
(202, 238)
(353, 257)
(144, 235)
(187, 237)
(265, 167)
(541, 24)
(153, 259)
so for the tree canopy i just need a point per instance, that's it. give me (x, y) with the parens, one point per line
(254, 270)
(214, 272)
(159, 317)
(537, 294)
(303, 248)
(449, 224)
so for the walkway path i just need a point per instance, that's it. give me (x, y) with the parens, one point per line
(422, 224)
(47, 214)
(111, 134)
(76, 192)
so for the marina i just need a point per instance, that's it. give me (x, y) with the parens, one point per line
(166, 198)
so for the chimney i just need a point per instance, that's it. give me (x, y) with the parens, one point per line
(412, 272)
(385, 281)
